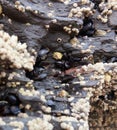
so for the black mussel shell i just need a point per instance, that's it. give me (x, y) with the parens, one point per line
(43, 52)
(88, 28)
(6, 111)
(41, 76)
(15, 110)
(66, 78)
(12, 99)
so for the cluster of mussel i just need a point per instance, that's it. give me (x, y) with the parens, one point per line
(39, 72)
(45, 62)
(9, 104)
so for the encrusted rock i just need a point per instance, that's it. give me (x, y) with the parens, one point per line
(74, 78)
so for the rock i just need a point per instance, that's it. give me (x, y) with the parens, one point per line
(66, 94)
(113, 20)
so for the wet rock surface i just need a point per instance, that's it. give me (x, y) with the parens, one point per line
(113, 20)
(74, 77)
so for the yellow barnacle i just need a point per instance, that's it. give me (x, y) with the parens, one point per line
(57, 55)
(100, 33)
(63, 93)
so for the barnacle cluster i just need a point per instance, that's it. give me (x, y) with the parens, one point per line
(106, 9)
(13, 55)
(39, 124)
(79, 12)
